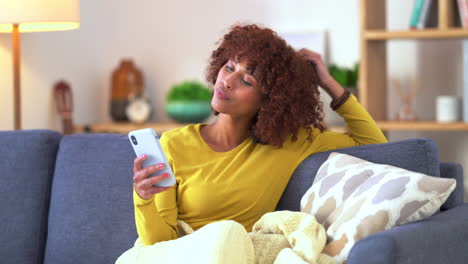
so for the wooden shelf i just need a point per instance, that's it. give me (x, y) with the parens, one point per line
(124, 128)
(421, 126)
(454, 33)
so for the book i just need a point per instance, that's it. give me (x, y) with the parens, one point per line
(425, 12)
(465, 80)
(416, 14)
(463, 12)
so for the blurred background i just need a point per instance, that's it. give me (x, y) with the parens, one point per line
(171, 41)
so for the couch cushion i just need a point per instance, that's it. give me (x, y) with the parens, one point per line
(27, 161)
(390, 196)
(419, 155)
(91, 211)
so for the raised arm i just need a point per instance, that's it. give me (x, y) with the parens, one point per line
(362, 127)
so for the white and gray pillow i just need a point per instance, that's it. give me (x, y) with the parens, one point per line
(354, 198)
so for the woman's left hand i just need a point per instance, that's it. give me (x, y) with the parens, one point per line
(326, 81)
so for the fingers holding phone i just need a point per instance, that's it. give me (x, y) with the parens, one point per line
(145, 185)
(151, 170)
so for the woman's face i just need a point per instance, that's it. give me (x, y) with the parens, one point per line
(236, 92)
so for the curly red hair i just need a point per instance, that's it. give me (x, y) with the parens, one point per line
(289, 83)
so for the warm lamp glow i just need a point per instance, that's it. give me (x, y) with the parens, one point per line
(39, 15)
(18, 16)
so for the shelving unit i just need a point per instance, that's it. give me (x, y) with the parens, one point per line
(124, 128)
(421, 126)
(373, 65)
(419, 34)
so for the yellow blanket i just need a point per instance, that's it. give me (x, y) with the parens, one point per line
(279, 237)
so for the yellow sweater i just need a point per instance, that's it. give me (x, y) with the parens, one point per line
(242, 184)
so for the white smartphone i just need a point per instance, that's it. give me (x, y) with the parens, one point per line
(146, 141)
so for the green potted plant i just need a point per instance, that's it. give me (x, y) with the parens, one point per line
(188, 102)
(347, 77)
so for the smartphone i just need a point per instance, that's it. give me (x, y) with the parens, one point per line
(146, 141)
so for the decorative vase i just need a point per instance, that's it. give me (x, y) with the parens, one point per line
(406, 113)
(407, 97)
(127, 83)
(189, 111)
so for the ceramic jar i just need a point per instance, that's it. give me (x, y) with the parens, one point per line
(127, 83)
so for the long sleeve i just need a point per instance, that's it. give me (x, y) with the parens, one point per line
(362, 128)
(156, 219)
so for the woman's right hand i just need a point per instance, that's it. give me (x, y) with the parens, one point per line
(326, 81)
(144, 185)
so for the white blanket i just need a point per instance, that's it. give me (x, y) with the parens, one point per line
(279, 237)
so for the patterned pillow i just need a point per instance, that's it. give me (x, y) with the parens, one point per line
(336, 180)
(390, 196)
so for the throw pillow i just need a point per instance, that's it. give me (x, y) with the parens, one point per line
(337, 178)
(391, 196)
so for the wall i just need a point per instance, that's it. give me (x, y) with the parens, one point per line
(168, 42)
(172, 40)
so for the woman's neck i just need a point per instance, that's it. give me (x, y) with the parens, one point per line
(226, 133)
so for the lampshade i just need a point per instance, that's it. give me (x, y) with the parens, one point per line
(39, 15)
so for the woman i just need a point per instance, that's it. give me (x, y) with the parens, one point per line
(269, 119)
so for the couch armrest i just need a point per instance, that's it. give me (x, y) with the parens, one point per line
(442, 238)
(453, 170)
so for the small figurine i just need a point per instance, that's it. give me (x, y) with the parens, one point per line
(64, 101)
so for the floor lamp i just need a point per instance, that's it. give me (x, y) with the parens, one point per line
(33, 16)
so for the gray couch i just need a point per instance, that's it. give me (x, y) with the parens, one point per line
(67, 199)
